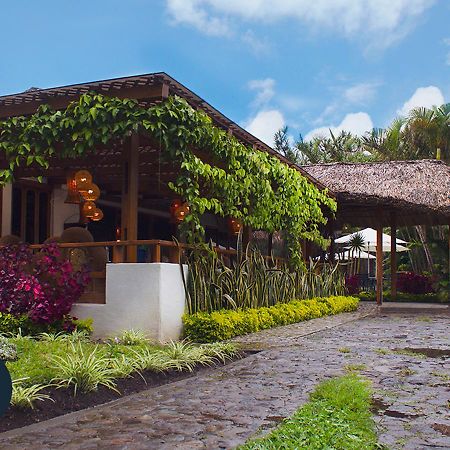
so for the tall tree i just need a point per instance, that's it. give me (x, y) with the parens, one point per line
(283, 145)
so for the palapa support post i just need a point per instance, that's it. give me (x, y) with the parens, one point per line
(246, 237)
(269, 244)
(332, 249)
(448, 289)
(130, 191)
(393, 257)
(379, 265)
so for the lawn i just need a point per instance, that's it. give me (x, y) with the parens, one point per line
(337, 416)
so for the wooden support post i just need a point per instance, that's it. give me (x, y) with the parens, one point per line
(393, 257)
(332, 249)
(246, 237)
(448, 288)
(156, 254)
(270, 244)
(379, 265)
(130, 192)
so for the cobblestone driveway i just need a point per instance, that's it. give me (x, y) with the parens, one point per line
(223, 407)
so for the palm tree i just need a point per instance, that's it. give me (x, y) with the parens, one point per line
(356, 245)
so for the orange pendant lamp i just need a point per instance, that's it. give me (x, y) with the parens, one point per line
(83, 178)
(73, 195)
(234, 225)
(91, 194)
(179, 210)
(88, 209)
(97, 215)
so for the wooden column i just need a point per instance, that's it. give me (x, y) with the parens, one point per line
(130, 192)
(448, 288)
(246, 237)
(393, 257)
(379, 265)
(270, 244)
(332, 249)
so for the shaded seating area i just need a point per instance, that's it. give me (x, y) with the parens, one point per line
(387, 194)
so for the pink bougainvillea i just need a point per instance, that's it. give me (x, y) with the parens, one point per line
(352, 284)
(43, 285)
(414, 283)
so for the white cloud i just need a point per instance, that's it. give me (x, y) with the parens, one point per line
(360, 93)
(258, 46)
(425, 97)
(189, 12)
(265, 124)
(265, 90)
(382, 21)
(355, 123)
(447, 58)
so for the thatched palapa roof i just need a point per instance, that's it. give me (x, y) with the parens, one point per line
(417, 192)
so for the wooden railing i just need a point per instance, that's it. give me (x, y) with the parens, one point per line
(160, 250)
(148, 251)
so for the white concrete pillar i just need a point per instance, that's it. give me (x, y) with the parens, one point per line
(147, 297)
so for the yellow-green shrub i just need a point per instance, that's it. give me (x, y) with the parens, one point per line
(225, 324)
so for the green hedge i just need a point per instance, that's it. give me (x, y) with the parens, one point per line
(225, 324)
(440, 297)
(13, 325)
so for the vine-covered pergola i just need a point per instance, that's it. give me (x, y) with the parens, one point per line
(147, 139)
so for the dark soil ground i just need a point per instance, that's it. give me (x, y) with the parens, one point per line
(64, 401)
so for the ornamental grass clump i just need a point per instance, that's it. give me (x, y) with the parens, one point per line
(252, 281)
(84, 370)
(130, 337)
(25, 396)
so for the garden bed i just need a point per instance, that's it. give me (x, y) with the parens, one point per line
(403, 297)
(65, 402)
(54, 374)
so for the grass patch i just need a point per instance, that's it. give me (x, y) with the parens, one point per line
(350, 368)
(336, 417)
(382, 351)
(344, 350)
(443, 376)
(404, 351)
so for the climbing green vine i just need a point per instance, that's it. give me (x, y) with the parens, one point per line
(241, 182)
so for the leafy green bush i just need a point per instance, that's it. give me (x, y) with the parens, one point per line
(225, 324)
(404, 297)
(337, 417)
(8, 350)
(23, 325)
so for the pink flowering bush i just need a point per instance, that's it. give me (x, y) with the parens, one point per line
(42, 286)
(352, 284)
(414, 283)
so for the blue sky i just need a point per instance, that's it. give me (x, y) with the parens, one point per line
(312, 65)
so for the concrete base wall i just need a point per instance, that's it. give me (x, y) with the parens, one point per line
(147, 297)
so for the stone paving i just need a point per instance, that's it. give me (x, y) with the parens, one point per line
(221, 408)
